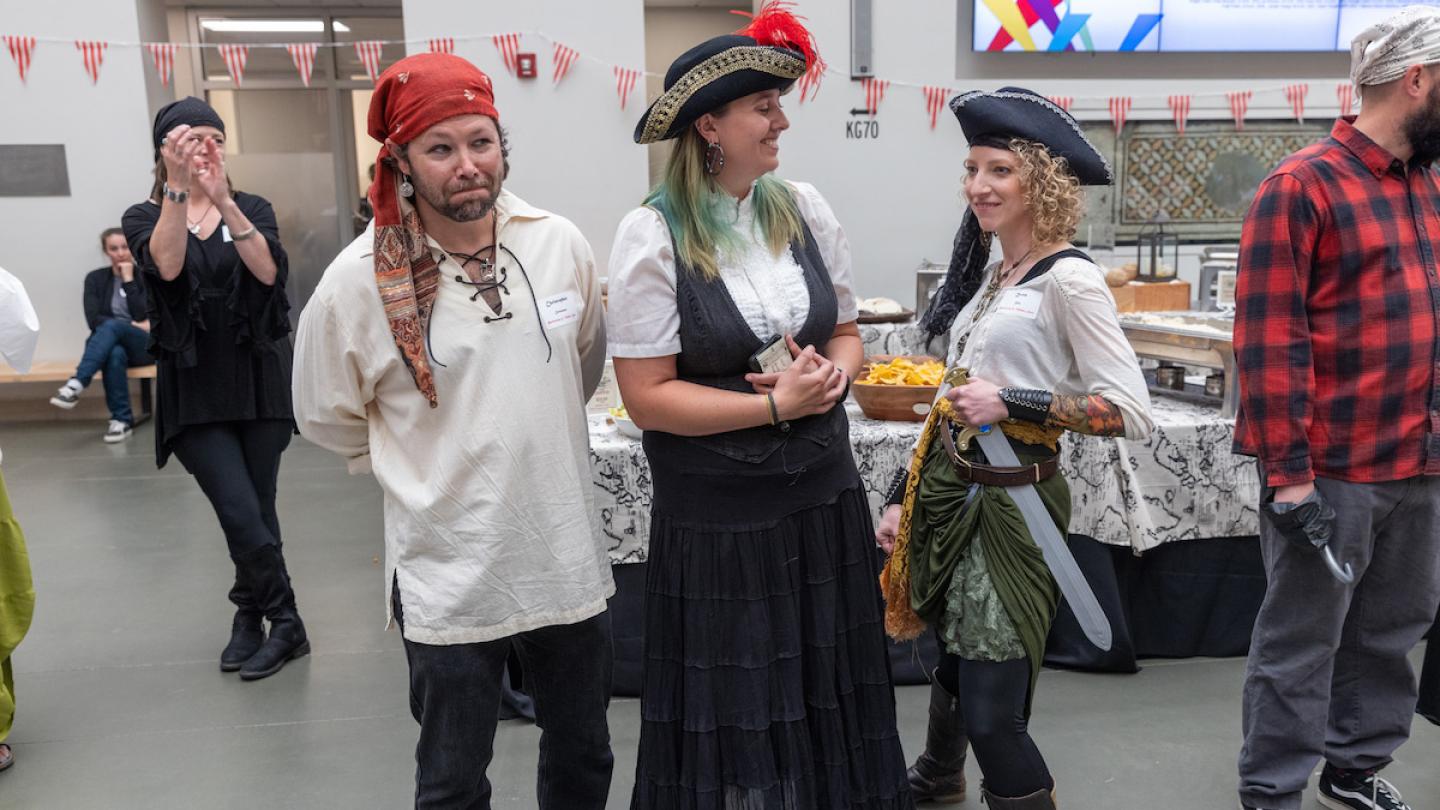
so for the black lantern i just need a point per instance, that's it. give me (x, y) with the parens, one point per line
(1150, 248)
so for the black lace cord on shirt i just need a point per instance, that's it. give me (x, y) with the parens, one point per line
(482, 286)
(549, 349)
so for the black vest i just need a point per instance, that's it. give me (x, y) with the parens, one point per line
(715, 348)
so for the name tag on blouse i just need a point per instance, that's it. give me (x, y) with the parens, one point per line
(562, 309)
(1025, 303)
(225, 233)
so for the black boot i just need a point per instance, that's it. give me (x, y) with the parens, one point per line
(246, 632)
(939, 774)
(246, 636)
(264, 568)
(1039, 800)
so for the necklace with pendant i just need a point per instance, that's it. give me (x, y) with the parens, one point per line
(195, 226)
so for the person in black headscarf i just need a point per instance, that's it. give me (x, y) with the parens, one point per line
(1035, 349)
(215, 272)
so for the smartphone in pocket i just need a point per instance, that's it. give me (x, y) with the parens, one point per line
(772, 357)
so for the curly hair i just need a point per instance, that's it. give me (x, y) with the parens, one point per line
(1052, 192)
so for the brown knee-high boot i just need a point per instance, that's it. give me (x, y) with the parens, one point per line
(938, 775)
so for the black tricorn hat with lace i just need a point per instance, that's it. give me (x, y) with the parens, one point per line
(1014, 112)
(770, 53)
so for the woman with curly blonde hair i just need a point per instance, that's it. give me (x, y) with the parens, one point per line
(1035, 349)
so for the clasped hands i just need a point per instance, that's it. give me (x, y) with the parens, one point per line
(811, 385)
(193, 161)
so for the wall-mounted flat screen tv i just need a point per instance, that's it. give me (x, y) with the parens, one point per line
(1173, 25)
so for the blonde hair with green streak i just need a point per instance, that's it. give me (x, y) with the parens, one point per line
(699, 212)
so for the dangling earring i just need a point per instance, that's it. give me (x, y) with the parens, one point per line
(714, 158)
(406, 190)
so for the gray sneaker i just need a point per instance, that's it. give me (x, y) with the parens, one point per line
(117, 432)
(67, 396)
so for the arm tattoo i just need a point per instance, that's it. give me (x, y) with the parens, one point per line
(1086, 413)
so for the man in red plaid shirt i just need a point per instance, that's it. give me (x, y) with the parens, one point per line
(1337, 335)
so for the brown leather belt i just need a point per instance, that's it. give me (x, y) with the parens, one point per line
(1006, 476)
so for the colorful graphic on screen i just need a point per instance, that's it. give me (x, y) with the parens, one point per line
(1173, 25)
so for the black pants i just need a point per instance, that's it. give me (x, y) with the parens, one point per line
(237, 465)
(455, 697)
(992, 702)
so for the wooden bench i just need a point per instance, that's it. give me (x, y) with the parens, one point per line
(54, 372)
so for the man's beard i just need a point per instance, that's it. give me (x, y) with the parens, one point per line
(1422, 130)
(461, 212)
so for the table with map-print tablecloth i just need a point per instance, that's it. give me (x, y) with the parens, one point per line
(1181, 483)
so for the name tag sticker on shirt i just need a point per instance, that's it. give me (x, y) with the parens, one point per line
(225, 233)
(1025, 303)
(561, 309)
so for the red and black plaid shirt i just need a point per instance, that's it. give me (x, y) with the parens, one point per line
(1336, 313)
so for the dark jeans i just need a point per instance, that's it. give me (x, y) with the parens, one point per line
(113, 347)
(992, 702)
(237, 465)
(455, 696)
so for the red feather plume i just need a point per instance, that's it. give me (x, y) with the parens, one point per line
(775, 25)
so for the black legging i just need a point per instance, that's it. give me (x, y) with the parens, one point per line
(237, 465)
(992, 705)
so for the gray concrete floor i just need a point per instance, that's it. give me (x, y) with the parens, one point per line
(121, 704)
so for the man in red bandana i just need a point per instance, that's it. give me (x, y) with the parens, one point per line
(450, 350)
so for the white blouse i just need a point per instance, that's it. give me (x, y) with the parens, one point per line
(1059, 333)
(769, 290)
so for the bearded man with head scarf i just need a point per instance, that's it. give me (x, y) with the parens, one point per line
(1337, 341)
(450, 350)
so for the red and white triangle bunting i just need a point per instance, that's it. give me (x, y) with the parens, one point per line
(1063, 102)
(564, 59)
(303, 55)
(369, 55)
(1180, 110)
(92, 52)
(1295, 94)
(935, 102)
(22, 49)
(625, 79)
(1119, 111)
(809, 84)
(1345, 94)
(508, 45)
(164, 55)
(874, 93)
(442, 45)
(1239, 104)
(235, 57)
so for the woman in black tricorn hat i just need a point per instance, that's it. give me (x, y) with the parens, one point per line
(1043, 352)
(766, 681)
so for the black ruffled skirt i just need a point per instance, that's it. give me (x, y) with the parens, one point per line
(767, 680)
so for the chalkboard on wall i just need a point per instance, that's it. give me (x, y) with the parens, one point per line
(33, 170)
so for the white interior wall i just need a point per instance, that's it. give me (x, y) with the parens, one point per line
(571, 150)
(51, 242)
(898, 195)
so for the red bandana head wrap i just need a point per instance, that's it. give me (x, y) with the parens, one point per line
(413, 95)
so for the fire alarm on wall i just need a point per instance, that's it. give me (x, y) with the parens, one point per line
(525, 65)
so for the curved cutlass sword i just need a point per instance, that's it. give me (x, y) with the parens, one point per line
(1057, 554)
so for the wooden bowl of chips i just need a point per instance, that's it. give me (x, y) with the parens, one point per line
(898, 388)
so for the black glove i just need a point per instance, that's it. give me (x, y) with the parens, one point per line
(1308, 524)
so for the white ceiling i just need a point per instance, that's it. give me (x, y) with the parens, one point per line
(348, 4)
(305, 5)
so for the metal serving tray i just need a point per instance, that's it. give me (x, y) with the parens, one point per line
(1204, 339)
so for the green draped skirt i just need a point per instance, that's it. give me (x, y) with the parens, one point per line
(975, 570)
(17, 604)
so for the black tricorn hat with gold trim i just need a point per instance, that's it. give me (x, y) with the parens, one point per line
(770, 53)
